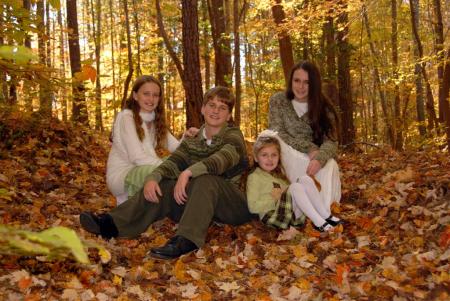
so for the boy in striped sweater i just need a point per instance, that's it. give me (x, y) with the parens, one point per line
(197, 184)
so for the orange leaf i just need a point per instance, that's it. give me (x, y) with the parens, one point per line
(89, 72)
(341, 273)
(444, 240)
(24, 283)
(180, 270)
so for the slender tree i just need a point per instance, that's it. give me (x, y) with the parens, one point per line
(398, 142)
(344, 81)
(432, 120)
(130, 54)
(79, 107)
(45, 101)
(439, 49)
(420, 106)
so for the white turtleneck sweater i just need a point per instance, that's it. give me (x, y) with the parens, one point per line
(128, 151)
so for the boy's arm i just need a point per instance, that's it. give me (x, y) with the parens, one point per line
(172, 166)
(229, 155)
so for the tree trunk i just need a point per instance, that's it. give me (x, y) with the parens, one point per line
(432, 120)
(398, 142)
(284, 40)
(344, 82)
(237, 62)
(113, 65)
(190, 70)
(45, 101)
(191, 61)
(138, 39)
(446, 90)
(79, 108)
(97, 29)
(420, 107)
(221, 43)
(439, 50)
(62, 66)
(130, 55)
(205, 44)
(330, 86)
(384, 106)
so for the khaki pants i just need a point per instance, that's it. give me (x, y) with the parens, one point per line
(209, 198)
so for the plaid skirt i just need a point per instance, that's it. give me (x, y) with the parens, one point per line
(283, 215)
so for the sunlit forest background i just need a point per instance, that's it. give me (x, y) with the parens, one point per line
(385, 63)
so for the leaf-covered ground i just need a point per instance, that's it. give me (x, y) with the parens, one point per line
(394, 245)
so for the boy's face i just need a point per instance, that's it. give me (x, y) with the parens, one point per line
(216, 113)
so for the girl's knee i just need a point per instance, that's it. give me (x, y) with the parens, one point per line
(306, 180)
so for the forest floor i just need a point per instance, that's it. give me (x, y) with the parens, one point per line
(393, 246)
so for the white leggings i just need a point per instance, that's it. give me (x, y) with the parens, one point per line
(307, 199)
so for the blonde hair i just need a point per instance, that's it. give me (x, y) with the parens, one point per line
(265, 141)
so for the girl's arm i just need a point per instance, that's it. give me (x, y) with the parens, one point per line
(172, 142)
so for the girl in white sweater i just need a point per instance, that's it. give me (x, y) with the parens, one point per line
(140, 139)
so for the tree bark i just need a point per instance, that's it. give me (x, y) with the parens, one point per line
(221, 43)
(138, 39)
(191, 62)
(344, 82)
(446, 90)
(62, 65)
(45, 101)
(113, 65)
(237, 62)
(398, 142)
(420, 106)
(190, 70)
(432, 120)
(439, 50)
(284, 40)
(205, 44)
(79, 108)
(97, 29)
(130, 54)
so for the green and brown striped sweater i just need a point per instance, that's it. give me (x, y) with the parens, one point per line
(226, 156)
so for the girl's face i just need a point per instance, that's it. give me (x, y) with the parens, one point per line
(268, 157)
(300, 85)
(148, 97)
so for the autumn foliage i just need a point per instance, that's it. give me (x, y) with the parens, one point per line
(393, 246)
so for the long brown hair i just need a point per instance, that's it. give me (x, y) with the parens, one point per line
(319, 105)
(160, 116)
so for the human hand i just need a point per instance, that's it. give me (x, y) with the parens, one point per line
(276, 193)
(312, 154)
(313, 167)
(151, 191)
(191, 132)
(179, 192)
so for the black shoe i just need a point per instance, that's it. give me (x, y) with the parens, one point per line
(324, 228)
(90, 222)
(174, 248)
(102, 224)
(332, 222)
